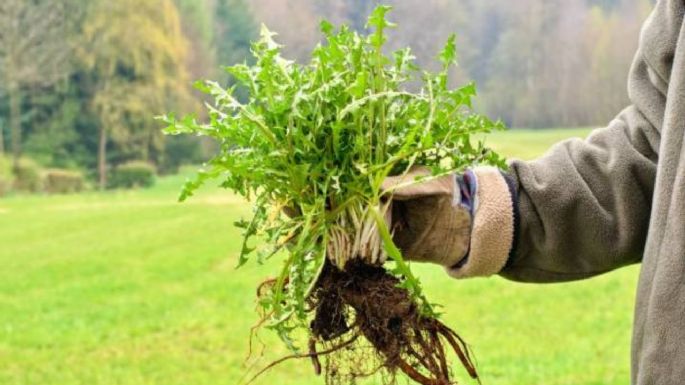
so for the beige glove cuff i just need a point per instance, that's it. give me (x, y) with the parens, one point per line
(492, 233)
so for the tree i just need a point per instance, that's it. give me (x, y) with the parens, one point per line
(135, 53)
(234, 29)
(197, 23)
(33, 52)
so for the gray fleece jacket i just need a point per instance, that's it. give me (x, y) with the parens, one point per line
(617, 198)
(589, 206)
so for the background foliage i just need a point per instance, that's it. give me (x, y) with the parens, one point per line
(96, 71)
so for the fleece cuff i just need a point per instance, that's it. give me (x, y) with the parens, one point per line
(492, 231)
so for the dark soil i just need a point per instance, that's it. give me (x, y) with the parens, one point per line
(366, 301)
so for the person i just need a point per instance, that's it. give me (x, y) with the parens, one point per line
(585, 208)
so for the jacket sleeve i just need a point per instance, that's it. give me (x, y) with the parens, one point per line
(584, 206)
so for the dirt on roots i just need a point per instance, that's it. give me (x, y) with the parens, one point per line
(364, 323)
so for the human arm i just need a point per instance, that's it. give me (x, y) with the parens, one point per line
(584, 207)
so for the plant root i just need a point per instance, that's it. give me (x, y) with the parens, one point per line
(366, 300)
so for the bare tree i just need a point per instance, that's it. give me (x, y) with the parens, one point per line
(33, 52)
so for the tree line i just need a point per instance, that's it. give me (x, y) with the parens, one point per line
(81, 81)
(537, 63)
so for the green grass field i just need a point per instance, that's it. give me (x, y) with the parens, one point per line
(134, 288)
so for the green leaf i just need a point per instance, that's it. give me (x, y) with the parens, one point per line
(377, 18)
(326, 27)
(448, 54)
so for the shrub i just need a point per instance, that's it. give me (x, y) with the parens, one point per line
(28, 176)
(180, 150)
(5, 175)
(133, 174)
(59, 181)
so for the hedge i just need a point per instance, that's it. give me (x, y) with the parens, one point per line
(132, 175)
(28, 176)
(59, 181)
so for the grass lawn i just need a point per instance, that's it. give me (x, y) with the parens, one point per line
(134, 288)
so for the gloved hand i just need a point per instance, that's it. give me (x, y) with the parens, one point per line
(462, 222)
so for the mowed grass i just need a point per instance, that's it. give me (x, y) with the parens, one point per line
(134, 288)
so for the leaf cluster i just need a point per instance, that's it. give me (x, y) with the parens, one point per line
(317, 140)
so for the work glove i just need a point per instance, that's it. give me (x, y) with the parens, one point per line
(463, 222)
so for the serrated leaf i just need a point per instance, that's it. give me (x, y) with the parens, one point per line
(448, 54)
(321, 137)
(377, 18)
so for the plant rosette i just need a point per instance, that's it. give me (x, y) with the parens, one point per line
(316, 140)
